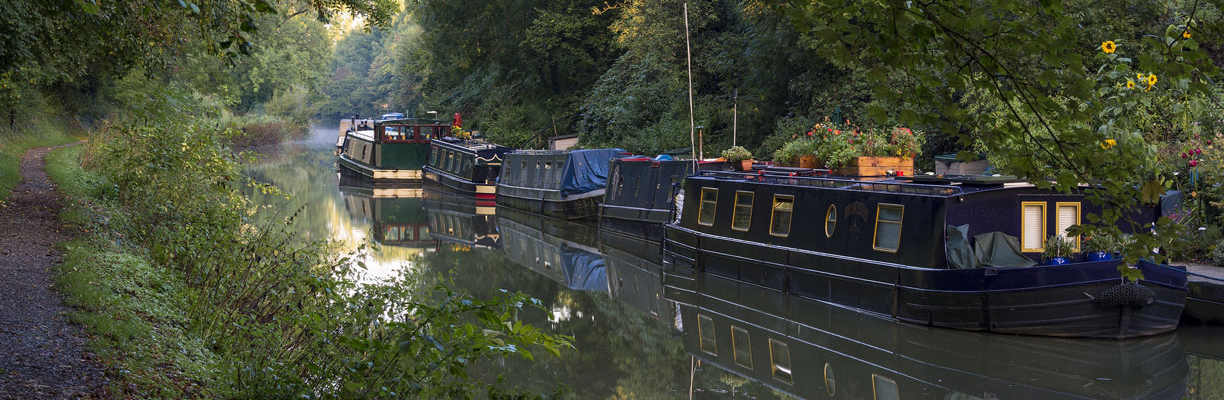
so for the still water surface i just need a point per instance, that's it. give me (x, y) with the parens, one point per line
(643, 331)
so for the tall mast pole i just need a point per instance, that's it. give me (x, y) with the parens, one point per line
(688, 55)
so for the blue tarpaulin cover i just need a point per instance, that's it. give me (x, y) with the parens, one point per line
(583, 270)
(587, 170)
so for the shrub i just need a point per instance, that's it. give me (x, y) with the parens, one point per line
(736, 153)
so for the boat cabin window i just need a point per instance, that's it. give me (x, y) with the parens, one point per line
(742, 346)
(548, 174)
(741, 220)
(1068, 215)
(450, 161)
(433, 157)
(539, 174)
(888, 227)
(705, 330)
(780, 219)
(522, 179)
(780, 362)
(830, 220)
(709, 202)
(557, 176)
(883, 388)
(1032, 226)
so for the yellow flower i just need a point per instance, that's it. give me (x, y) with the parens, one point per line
(1186, 34)
(1108, 143)
(1139, 75)
(1109, 47)
(1151, 79)
(1130, 84)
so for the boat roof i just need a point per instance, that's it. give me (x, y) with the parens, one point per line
(413, 121)
(933, 186)
(473, 145)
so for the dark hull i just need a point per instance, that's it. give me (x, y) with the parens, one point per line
(1041, 300)
(458, 184)
(587, 207)
(643, 223)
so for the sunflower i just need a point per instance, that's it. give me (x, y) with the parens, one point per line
(1108, 143)
(1130, 84)
(1186, 34)
(1109, 47)
(1151, 80)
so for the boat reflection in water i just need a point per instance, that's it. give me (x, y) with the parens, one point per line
(635, 274)
(814, 350)
(564, 251)
(461, 220)
(396, 212)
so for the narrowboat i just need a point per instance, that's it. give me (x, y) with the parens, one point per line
(397, 213)
(393, 149)
(641, 196)
(469, 167)
(462, 220)
(563, 251)
(349, 125)
(949, 252)
(815, 350)
(560, 184)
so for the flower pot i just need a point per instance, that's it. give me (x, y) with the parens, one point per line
(807, 161)
(1098, 255)
(877, 166)
(1057, 261)
(745, 165)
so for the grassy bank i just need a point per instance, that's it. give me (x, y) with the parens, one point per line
(188, 295)
(13, 144)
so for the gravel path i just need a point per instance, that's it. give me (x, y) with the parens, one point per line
(42, 355)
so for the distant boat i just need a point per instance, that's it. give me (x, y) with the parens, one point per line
(469, 167)
(561, 184)
(949, 252)
(392, 149)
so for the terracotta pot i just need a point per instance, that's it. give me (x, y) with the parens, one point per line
(807, 161)
(745, 165)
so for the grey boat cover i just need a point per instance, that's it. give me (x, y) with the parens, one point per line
(960, 253)
(587, 170)
(998, 249)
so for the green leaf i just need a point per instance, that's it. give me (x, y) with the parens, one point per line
(1150, 191)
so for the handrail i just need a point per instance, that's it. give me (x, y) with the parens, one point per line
(842, 183)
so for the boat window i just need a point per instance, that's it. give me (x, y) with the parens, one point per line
(548, 174)
(742, 346)
(522, 172)
(830, 380)
(539, 170)
(1032, 226)
(888, 227)
(705, 330)
(709, 201)
(620, 185)
(450, 161)
(557, 176)
(830, 220)
(741, 220)
(780, 219)
(779, 361)
(1068, 215)
(883, 388)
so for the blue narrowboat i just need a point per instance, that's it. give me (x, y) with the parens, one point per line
(467, 167)
(956, 253)
(566, 184)
(641, 196)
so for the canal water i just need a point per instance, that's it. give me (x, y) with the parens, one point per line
(645, 331)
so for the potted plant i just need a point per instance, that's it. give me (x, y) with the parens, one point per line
(738, 154)
(801, 150)
(1101, 246)
(1057, 249)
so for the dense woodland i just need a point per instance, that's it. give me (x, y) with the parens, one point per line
(1125, 95)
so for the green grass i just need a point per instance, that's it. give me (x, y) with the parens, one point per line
(14, 145)
(135, 312)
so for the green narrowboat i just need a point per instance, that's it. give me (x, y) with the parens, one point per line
(393, 149)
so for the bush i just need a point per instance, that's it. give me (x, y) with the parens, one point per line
(736, 153)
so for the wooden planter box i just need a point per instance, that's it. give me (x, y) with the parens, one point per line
(877, 166)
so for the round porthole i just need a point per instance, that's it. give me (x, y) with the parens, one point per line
(830, 220)
(830, 380)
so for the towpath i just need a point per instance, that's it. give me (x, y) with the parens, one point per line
(42, 355)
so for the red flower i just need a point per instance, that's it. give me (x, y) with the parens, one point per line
(830, 129)
(1193, 163)
(1184, 155)
(838, 132)
(1198, 151)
